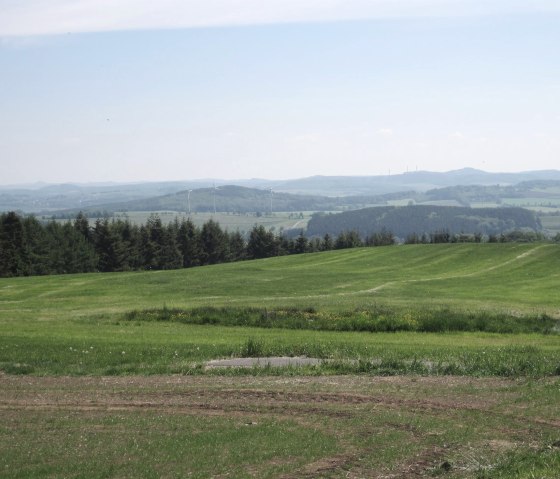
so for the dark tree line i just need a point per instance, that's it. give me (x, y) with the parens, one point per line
(444, 236)
(406, 220)
(29, 247)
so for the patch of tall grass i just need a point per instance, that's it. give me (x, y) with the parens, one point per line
(524, 463)
(508, 361)
(373, 319)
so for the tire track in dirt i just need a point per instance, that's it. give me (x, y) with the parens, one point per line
(422, 463)
(247, 396)
(254, 401)
(250, 400)
(325, 466)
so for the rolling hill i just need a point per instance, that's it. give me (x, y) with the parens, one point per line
(510, 276)
(234, 199)
(419, 181)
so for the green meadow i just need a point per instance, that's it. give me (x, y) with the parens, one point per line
(513, 277)
(419, 308)
(435, 360)
(230, 221)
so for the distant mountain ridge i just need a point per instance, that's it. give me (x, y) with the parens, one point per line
(48, 198)
(233, 199)
(412, 181)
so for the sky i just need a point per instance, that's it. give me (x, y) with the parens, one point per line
(137, 90)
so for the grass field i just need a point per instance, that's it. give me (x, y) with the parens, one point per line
(232, 222)
(77, 324)
(516, 277)
(89, 389)
(243, 222)
(551, 224)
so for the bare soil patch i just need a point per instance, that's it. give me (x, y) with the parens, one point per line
(386, 427)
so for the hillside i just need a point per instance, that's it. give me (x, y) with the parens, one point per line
(419, 181)
(47, 198)
(227, 198)
(423, 219)
(544, 193)
(539, 194)
(234, 199)
(521, 277)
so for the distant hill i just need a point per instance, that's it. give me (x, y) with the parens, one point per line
(235, 199)
(525, 193)
(406, 220)
(419, 181)
(239, 199)
(70, 196)
(365, 189)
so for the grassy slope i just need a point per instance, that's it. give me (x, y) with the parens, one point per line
(74, 324)
(499, 276)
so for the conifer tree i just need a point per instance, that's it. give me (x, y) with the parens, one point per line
(261, 244)
(12, 245)
(188, 241)
(214, 246)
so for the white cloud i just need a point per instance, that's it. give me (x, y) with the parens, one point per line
(40, 17)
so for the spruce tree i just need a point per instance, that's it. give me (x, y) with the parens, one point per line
(12, 245)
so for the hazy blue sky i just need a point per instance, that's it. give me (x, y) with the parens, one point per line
(123, 90)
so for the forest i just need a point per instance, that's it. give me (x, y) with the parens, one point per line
(424, 219)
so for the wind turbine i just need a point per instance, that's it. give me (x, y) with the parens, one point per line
(270, 189)
(215, 188)
(189, 200)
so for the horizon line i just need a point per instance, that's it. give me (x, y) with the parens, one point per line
(223, 180)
